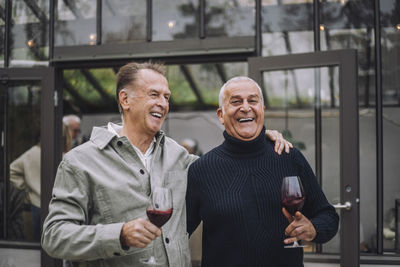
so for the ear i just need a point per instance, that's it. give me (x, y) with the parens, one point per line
(123, 99)
(220, 116)
(265, 108)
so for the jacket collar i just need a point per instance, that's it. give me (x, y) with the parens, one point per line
(101, 137)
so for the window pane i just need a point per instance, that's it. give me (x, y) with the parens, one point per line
(390, 31)
(350, 24)
(181, 93)
(174, 19)
(75, 23)
(287, 27)
(2, 28)
(29, 33)
(230, 18)
(89, 91)
(123, 21)
(24, 159)
(290, 97)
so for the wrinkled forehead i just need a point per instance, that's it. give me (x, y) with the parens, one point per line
(243, 89)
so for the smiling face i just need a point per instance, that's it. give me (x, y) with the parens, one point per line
(146, 104)
(243, 115)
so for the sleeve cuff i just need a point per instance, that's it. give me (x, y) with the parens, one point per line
(110, 240)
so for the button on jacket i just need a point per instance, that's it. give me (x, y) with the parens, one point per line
(102, 184)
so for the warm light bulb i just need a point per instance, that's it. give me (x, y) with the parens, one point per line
(171, 24)
(30, 43)
(322, 27)
(92, 37)
(398, 27)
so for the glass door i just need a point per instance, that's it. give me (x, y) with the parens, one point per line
(25, 126)
(312, 98)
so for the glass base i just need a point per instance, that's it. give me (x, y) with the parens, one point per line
(295, 245)
(298, 246)
(151, 261)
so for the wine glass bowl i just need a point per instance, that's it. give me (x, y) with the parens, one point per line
(159, 211)
(292, 197)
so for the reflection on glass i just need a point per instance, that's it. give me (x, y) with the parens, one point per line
(350, 24)
(75, 23)
(290, 96)
(296, 88)
(123, 21)
(29, 33)
(89, 91)
(287, 27)
(2, 26)
(230, 18)
(390, 34)
(24, 159)
(181, 92)
(174, 19)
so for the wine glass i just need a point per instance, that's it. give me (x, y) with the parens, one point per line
(158, 211)
(292, 197)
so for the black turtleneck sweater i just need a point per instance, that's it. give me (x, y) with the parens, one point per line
(235, 190)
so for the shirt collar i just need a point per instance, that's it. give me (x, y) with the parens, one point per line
(101, 136)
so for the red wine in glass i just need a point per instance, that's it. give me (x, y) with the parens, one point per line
(159, 217)
(292, 197)
(159, 211)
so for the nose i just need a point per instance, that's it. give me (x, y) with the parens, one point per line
(245, 107)
(163, 102)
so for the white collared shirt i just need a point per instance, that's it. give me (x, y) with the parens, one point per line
(146, 157)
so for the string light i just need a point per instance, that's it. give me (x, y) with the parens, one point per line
(322, 27)
(92, 38)
(171, 24)
(31, 43)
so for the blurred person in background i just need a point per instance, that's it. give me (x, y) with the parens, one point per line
(73, 122)
(25, 175)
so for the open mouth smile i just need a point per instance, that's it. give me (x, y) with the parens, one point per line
(242, 120)
(156, 114)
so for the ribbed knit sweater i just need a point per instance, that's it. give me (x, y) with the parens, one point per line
(235, 190)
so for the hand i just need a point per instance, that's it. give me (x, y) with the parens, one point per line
(138, 233)
(280, 142)
(300, 227)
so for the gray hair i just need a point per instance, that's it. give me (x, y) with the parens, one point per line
(221, 98)
(67, 119)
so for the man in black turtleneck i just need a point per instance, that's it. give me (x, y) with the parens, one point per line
(235, 190)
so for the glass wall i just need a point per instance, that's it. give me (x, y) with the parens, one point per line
(123, 21)
(390, 31)
(230, 18)
(350, 24)
(287, 27)
(175, 19)
(23, 154)
(29, 33)
(290, 109)
(2, 30)
(75, 23)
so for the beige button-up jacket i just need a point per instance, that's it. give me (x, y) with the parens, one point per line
(102, 184)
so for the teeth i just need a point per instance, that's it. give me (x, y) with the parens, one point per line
(158, 115)
(245, 119)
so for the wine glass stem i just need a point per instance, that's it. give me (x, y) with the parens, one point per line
(295, 244)
(154, 253)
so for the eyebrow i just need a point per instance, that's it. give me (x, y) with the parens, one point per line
(250, 96)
